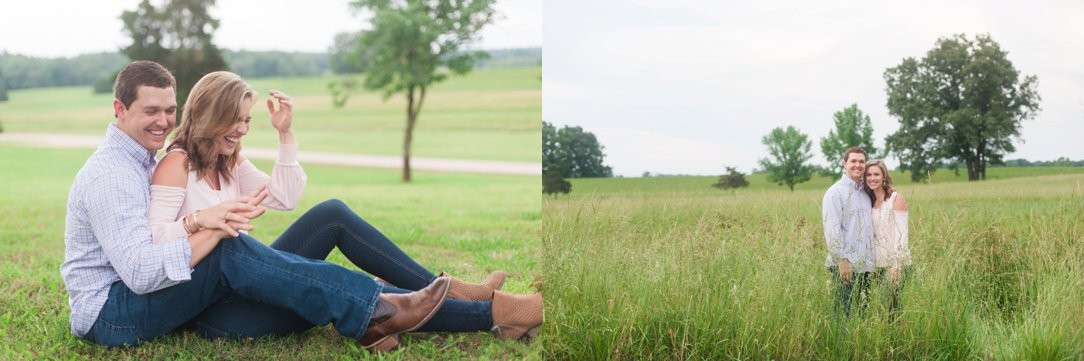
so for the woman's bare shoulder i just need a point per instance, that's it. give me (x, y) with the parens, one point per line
(900, 204)
(172, 170)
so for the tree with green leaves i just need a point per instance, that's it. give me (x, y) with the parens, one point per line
(414, 44)
(964, 102)
(549, 147)
(346, 55)
(3, 94)
(733, 179)
(553, 183)
(178, 36)
(789, 151)
(853, 128)
(572, 153)
(3, 88)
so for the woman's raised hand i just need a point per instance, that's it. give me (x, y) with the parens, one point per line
(283, 117)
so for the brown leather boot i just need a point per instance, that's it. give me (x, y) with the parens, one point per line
(516, 317)
(412, 310)
(482, 291)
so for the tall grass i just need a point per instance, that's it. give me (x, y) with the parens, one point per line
(677, 271)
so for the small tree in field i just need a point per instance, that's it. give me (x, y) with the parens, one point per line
(731, 180)
(414, 44)
(853, 128)
(789, 150)
(553, 183)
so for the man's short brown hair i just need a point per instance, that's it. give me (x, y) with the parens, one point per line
(847, 153)
(141, 73)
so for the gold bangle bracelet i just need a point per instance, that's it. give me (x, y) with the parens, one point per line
(187, 222)
(195, 219)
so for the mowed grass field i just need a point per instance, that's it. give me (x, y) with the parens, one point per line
(492, 114)
(466, 224)
(670, 268)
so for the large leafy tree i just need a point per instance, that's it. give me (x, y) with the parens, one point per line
(572, 152)
(789, 150)
(414, 44)
(178, 36)
(853, 128)
(963, 103)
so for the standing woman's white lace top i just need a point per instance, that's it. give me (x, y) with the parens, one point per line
(890, 235)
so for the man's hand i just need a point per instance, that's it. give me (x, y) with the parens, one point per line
(894, 275)
(845, 271)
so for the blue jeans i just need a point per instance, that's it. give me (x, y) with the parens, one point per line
(892, 293)
(316, 291)
(326, 226)
(846, 292)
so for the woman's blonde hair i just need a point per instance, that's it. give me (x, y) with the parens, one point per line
(886, 181)
(213, 108)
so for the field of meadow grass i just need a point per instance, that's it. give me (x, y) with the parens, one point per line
(670, 268)
(465, 224)
(464, 117)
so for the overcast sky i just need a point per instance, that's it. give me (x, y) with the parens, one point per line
(686, 87)
(52, 28)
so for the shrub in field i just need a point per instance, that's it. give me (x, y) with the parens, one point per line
(731, 180)
(553, 183)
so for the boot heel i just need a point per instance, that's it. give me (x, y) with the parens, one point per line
(511, 333)
(527, 336)
(385, 344)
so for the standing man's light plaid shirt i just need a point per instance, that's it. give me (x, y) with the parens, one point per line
(106, 234)
(848, 225)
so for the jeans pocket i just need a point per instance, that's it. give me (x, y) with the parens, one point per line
(108, 334)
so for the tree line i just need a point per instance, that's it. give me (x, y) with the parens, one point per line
(19, 71)
(960, 106)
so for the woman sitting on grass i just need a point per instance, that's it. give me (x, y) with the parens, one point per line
(203, 167)
(890, 252)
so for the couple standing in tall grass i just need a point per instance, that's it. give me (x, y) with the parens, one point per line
(865, 229)
(151, 247)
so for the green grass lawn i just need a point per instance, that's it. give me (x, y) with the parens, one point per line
(670, 268)
(492, 114)
(467, 225)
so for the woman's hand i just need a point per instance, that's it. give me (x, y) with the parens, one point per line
(232, 215)
(894, 275)
(845, 271)
(281, 119)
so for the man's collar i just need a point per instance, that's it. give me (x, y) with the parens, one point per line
(852, 183)
(129, 145)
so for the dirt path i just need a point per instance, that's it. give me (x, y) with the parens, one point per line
(308, 157)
